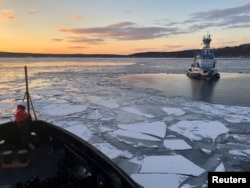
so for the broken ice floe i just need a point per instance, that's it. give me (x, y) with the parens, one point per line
(238, 152)
(159, 180)
(135, 135)
(220, 168)
(111, 151)
(173, 111)
(175, 164)
(62, 109)
(197, 130)
(81, 131)
(176, 144)
(137, 112)
(109, 104)
(156, 128)
(232, 114)
(95, 115)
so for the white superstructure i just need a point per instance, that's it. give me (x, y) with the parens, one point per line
(204, 62)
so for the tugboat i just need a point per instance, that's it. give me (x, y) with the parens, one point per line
(204, 63)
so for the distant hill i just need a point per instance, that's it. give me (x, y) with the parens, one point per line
(235, 51)
(14, 54)
(177, 54)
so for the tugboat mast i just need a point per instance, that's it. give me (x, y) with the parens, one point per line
(206, 43)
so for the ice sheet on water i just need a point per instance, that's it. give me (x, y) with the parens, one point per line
(173, 111)
(220, 168)
(135, 135)
(197, 130)
(95, 115)
(111, 151)
(159, 180)
(156, 128)
(6, 104)
(4, 120)
(175, 164)
(62, 109)
(47, 92)
(66, 124)
(245, 152)
(134, 110)
(137, 160)
(109, 104)
(105, 129)
(176, 144)
(232, 114)
(81, 131)
(7, 108)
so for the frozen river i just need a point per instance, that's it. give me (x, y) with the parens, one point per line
(158, 125)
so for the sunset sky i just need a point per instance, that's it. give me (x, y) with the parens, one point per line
(120, 26)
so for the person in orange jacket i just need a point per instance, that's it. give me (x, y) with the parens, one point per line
(20, 114)
(22, 121)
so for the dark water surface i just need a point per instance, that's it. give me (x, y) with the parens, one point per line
(230, 89)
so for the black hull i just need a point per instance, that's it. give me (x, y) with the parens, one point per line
(215, 76)
(60, 159)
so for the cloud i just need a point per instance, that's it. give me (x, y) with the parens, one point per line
(128, 12)
(57, 40)
(78, 47)
(173, 46)
(7, 15)
(86, 40)
(33, 12)
(122, 31)
(228, 18)
(222, 13)
(232, 17)
(77, 17)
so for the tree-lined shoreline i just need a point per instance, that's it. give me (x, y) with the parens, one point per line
(235, 51)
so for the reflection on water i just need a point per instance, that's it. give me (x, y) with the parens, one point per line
(203, 89)
(230, 89)
(174, 85)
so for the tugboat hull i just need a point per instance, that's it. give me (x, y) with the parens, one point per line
(209, 75)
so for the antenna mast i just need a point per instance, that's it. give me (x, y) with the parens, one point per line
(27, 94)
